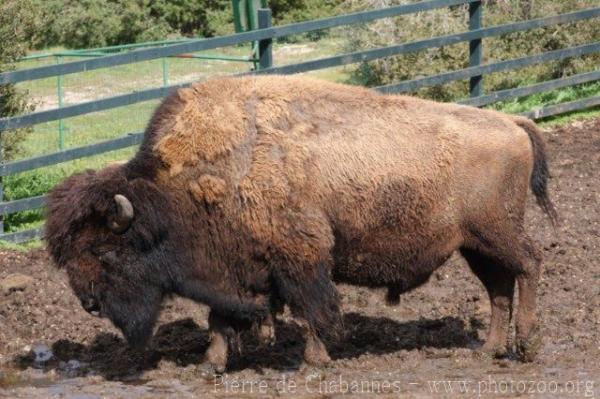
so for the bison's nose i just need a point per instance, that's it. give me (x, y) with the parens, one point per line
(91, 306)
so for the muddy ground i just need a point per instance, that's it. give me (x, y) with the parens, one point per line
(425, 347)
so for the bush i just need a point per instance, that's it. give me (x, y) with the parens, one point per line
(290, 11)
(455, 19)
(194, 17)
(16, 25)
(26, 185)
(97, 23)
(219, 18)
(137, 23)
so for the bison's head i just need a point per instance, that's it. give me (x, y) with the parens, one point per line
(109, 233)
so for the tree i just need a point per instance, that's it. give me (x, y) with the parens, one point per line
(17, 24)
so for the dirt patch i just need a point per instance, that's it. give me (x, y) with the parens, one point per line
(426, 346)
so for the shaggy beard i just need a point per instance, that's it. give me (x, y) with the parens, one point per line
(135, 316)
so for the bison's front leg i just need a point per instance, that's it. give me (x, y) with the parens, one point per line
(315, 352)
(215, 359)
(266, 330)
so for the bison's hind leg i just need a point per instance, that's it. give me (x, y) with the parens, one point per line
(498, 256)
(528, 334)
(311, 295)
(499, 283)
(300, 265)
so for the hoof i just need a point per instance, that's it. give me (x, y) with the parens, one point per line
(312, 373)
(266, 335)
(208, 370)
(321, 361)
(315, 352)
(318, 358)
(493, 351)
(527, 348)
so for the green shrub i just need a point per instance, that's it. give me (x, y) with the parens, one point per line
(89, 23)
(290, 11)
(25, 185)
(454, 20)
(219, 18)
(137, 23)
(193, 17)
(97, 23)
(16, 25)
(13, 102)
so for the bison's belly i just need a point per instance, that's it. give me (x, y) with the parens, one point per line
(388, 260)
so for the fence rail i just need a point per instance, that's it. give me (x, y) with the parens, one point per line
(24, 165)
(509, 94)
(224, 41)
(475, 73)
(339, 60)
(412, 85)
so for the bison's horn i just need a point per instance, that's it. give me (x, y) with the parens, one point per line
(124, 214)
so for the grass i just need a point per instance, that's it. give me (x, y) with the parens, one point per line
(22, 247)
(555, 97)
(549, 98)
(570, 117)
(98, 126)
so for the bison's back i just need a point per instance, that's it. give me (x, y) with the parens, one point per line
(300, 161)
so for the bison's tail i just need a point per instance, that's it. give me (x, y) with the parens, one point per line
(541, 173)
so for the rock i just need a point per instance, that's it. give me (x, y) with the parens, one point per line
(15, 282)
(73, 364)
(42, 354)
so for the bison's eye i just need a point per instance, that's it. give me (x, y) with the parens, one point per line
(105, 255)
(109, 258)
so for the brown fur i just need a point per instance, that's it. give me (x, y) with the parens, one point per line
(276, 182)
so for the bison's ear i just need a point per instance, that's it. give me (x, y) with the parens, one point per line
(121, 218)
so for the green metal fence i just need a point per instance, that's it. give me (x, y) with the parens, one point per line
(475, 73)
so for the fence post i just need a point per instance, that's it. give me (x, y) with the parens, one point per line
(265, 47)
(1, 188)
(60, 94)
(475, 50)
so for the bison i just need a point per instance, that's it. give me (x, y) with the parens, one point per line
(251, 192)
